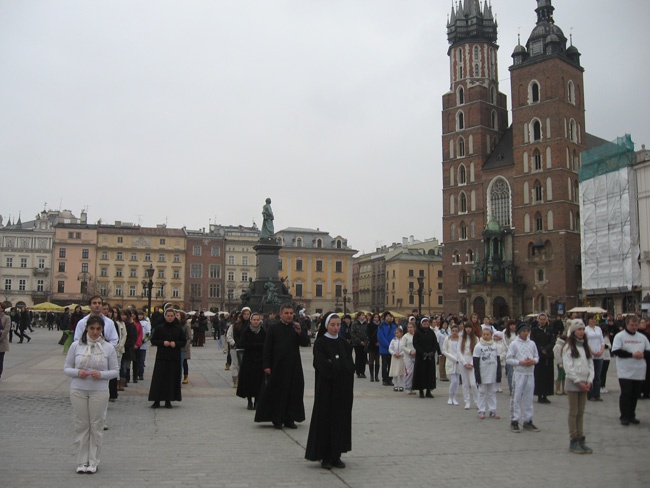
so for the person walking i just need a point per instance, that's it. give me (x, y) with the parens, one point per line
(91, 362)
(5, 328)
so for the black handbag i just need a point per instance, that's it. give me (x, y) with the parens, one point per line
(64, 338)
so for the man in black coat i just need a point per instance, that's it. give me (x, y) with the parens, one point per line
(281, 402)
(544, 338)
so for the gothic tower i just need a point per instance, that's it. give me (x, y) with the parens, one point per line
(548, 125)
(474, 119)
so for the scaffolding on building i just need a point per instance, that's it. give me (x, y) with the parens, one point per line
(609, 219)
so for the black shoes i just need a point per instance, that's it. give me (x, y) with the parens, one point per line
(543, 399)
(336, 463)
(168, 404)
(429, 395)
(155, 405)
(277, 426)
(250, 405)
(290, 425)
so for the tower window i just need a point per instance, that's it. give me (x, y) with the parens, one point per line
(537, 130)
(460, 96)
(461, 147)
(533, 92)
(462, 203)
(538, 192)
(460, 121)
(572, 92)
(493, 120)
(539, 223)
(537, 160)
(499, 205)
(476, 70)
(462, 175)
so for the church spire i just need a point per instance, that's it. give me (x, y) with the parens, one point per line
(545, 11)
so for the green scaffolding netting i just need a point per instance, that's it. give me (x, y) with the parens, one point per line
(607, 158)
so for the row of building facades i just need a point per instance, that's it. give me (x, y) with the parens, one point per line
(63, 259)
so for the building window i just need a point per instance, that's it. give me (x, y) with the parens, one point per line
(41, 263)
(338, 266)
(103, 272)
(162, 242)
(118, 272)
(161, 257)
(176, 274)
(215, 251)
(461, 147)
(118, 290)
(215, 271)
(119, 256)
(572, 93)
(319, 243)
(439, 299)
(61, 267)
(339, 244)
(60, 286)
(133, 272)
(537, 160)
(319, 266)
(440, 273)
(533, 92)
(196, 290)
(23, 262)
(176, 293)
(231, 260)
(494, 121)
(319, 290)
(463, 231)
(439, 286)
(147, 256)
(539, 223)
(244, 260)
(231, 276)
(338, 291)
(196, 270)
(279, 264)
(537, 131)
(10, 262)
(132, 290)
(540, 275)
(462, 175)
(177, 258)
(22, 284)
(40, 285)
(84, 267)
(298, 289)
(460, 96)
(134, 256)
(103, 290)
(196, 250)
(214, 290)
(411, 273)
(299, 242)
(460, 120)
(462, 203)
(104, 255)
(499, 202)
(298, 264)
(538, 192)
(85, 253)
(62, 252)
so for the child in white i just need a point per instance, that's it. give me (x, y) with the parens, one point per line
(523, 355)
(487, 370)
(409, 358)
(452, 364)
(466, 359)
(397, 360)
(559, 365)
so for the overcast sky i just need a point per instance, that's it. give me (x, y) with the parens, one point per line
(188, 112)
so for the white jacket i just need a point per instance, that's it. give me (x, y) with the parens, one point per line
(578, 369)
(520, 350)
(450, 349)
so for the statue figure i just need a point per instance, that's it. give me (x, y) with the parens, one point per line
(267, 226)
(271, 296)
(283, 284)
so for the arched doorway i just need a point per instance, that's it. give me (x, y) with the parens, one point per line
(500, 308)
(478, 307)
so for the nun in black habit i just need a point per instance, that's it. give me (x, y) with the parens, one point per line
(330, 430)
(169, 340)
(426, 346)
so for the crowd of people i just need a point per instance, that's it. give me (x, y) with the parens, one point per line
(532, 358)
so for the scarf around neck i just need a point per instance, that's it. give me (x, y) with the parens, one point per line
(92, 354)
(487, 343)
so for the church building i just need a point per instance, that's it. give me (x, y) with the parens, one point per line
(511, 214)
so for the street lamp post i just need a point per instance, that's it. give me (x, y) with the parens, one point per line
(149, 284)
(420, 293)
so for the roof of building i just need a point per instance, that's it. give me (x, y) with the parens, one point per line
(501, 156)
(141, 231)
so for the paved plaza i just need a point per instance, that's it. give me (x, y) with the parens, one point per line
(210, 439)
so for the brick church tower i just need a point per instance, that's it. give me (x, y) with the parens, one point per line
(510, 209)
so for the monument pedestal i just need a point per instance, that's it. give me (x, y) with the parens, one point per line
(267, 293)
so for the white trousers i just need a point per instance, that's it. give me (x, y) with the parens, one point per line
(454, 381)
(88, 408)
(487, 394)
(409, 363)
(523, 386)
(469, 383)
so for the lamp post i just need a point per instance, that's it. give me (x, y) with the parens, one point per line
(420, 293)
(149, 284)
